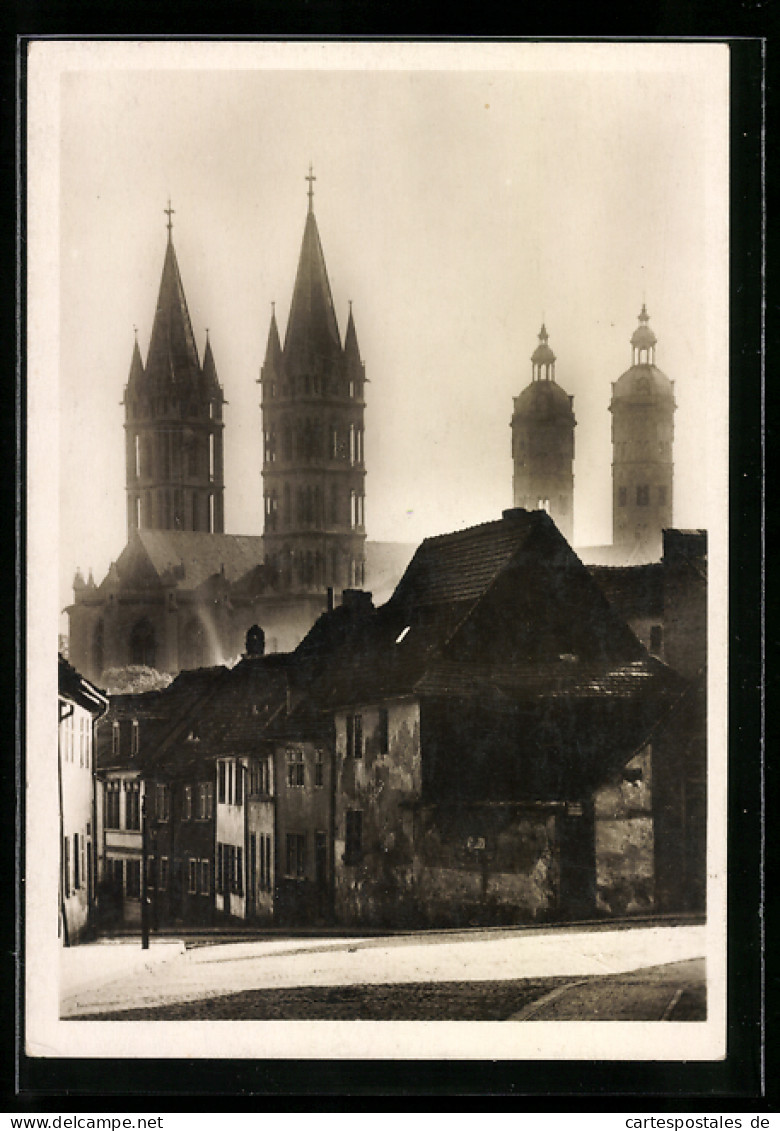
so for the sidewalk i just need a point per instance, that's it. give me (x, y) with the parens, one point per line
(95, 964)
(672, 992)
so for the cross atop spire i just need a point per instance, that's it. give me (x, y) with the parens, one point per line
(169, 212)
(311, 179)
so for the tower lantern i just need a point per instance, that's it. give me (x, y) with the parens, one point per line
(642, 408)
(543, 442)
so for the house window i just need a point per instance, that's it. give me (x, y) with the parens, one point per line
(295, 769)
(66, 866)
(259, 777)
(205, 809)
(296, 855)
(205, 877)
(239, 772)
(162, 878)
(115, 871)
(132, 805)
(192, 888)
(642, 495)
(186, 804)
(133, 879)
(265, 863)
(115, 738)
(134, 743)
(112, 805)
(319, 768)
(76, 863)
(353, 836)
(222, 780)
(163, 802)
(383, 730)
(219, 878)
(354, 736)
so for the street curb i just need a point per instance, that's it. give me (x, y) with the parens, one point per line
(534, 1007)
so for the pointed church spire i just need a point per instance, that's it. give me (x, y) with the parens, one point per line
(173, 354)
(273, 350)
(351, 348)
(312, 337)
(136, 364)
(209, 366)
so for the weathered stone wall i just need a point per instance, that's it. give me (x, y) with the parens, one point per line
(377, 887)
(624, 839)
(487, 865)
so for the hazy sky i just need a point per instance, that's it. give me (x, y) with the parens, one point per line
(463, 194)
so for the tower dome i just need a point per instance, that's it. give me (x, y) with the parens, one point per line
(642, 408)
(543, 442)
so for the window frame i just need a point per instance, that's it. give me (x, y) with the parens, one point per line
(295, 855)
(296, 768)
(353, 837)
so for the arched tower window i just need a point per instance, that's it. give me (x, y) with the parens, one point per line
(194, 644)
(143, 644)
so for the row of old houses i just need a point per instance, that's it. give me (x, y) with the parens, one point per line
(499, 742)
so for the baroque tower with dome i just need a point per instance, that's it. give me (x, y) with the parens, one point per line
(543, 442)
(642, 408)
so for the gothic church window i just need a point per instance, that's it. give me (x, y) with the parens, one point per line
(143, 647)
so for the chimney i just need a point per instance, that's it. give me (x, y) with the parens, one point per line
(255, 641)
(357, 600)
(330, 598)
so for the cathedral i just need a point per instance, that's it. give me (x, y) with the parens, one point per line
(183, 593)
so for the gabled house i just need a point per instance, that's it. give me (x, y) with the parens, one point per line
(130, 793)
(476, 714)
(80, 705)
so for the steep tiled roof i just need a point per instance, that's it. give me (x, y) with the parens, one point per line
(635, 591)
(459, 567)
(73, 685)
(159, 713)
(507, 596)
(232, 719)
(188, 558)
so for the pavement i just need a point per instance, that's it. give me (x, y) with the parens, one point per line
(671, 992)
(103, 978)
(84, 968)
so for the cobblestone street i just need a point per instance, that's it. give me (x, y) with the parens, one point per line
(587, 974)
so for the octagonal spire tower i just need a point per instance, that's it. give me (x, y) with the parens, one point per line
(313, 461)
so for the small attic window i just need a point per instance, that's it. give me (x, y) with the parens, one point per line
(402, 634)
(632, 774)
(194, 735)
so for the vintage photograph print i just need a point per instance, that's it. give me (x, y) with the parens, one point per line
(378, 465)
